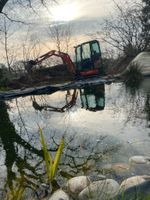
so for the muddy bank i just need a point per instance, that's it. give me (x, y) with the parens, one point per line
(39, 77)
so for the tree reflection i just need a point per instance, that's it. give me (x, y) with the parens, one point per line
(11, 142)
(147, 108)
(137, 104)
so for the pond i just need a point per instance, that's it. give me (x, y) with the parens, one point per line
(103, 126)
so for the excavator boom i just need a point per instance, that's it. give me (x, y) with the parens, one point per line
(64, 56)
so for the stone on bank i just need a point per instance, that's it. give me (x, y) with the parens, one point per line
(59, 195)
(100, 190)
(142, 61)
(77, 184)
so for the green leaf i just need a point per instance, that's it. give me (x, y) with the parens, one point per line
(57, 157)
(47, 156)
(51, 166)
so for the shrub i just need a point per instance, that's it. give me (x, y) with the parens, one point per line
(133, 76)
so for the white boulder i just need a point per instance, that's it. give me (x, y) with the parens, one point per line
(139, 160)
(59, 195)
(77, 184)
(100, 190)
(142, 61)
(133, 181)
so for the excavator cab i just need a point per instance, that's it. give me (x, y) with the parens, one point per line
(88, 59)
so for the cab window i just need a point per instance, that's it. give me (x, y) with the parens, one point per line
(95, 48)
(86, 53)
(78, 57)
(78, 53)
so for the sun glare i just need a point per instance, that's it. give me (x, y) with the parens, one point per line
(65, 12)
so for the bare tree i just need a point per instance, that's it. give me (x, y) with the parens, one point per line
(124, 31)
(4, 2)
(7, 34)
(6, 45)
(61, 36)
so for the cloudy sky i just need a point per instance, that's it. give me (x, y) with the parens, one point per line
(63, 10)
(83, 15)
(82, 9)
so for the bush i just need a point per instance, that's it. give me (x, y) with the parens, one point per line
(133, 76)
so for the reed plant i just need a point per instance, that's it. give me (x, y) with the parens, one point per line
(50, 163)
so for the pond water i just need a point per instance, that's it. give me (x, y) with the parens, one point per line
(103, 127)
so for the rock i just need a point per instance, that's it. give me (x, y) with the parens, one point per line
(77, 184)
(59, 195)
(142, 61)
(140, 191)
(100, 190)
(139, 159)
(140, 169)
(120, 167)
(97, 177)
(121, 171)
(133, 181)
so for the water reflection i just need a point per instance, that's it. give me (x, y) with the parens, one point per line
(92, 139)
(24, 162)
(139, 101)
(70, 101)
(147, 108)
(92, 99)
(17, 165)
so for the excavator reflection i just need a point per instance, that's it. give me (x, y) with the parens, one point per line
(70, 102)
(92, 99)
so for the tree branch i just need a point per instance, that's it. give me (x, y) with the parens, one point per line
(2, 4)
(13, 20)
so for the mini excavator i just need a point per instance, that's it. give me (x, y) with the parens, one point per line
(88, 60)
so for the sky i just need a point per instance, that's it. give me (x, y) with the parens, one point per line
(64, 10)
(84, 17)
(82, 9)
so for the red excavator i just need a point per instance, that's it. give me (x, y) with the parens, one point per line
(88, 60)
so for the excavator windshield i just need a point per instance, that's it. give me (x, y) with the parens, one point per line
(88, 58)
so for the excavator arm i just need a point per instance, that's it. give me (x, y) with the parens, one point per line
(64, 56)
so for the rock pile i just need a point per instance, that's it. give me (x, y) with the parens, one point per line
(82, 188)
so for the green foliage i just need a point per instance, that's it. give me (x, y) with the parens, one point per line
(51, 165)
